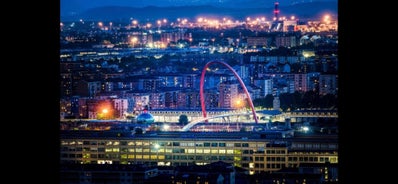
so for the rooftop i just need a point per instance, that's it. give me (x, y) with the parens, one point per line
(180, 136)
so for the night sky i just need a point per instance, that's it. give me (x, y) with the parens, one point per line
(78, 6)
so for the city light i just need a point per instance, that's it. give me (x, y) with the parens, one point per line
(139, 78)
(166, 127)
(148, 25)
(133, 41)
(156, 146)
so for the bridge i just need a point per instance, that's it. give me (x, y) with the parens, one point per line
(293, 114)
(200, 120)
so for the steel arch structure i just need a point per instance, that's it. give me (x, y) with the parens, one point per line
(202, 99)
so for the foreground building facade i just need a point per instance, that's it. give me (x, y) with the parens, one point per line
(253, 151)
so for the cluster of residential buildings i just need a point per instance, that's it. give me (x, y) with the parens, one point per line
(85, 87)
(113, 72)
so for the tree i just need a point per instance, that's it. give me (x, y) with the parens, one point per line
(183, 119)
(139, 131)
(265, 102)
(310, 99)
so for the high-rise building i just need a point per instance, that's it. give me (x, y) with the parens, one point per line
(228, 94)
(189, 80)
(266, 86)
(328, 84)
(257, 42)
(285, 41)
(188, 99)
(170, 99)
(300, 82)
(121, 107)
(157, 100)
(149, 84)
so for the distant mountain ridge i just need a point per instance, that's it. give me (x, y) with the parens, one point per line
(120, 13)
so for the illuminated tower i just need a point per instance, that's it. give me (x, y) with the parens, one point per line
(276, 11)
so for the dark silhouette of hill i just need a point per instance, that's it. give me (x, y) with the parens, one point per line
(118, 13)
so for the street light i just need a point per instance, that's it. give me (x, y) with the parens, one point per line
(133, 41)
(104, 113)
(166, 127)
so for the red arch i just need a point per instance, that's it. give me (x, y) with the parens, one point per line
(202, 99)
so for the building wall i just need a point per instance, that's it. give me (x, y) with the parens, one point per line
(252, 154)
(189, 99)
(285, 41)
(87, 89)
(300, 82)
(327, 84)
(157, 100)
(266, 86)
(121, 107)
(257, 41)
(228, 95)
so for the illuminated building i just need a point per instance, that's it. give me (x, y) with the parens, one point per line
(289, 25)
(285, 41)
(265, 84)
(188, 98)
(300, 82)
(228, 94)
(254, 151)
(257, 42)
(276, 10)
(328, 84)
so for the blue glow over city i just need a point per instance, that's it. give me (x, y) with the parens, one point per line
(215, 91)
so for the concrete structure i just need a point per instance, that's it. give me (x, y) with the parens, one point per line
(254, 151)
(228, 94)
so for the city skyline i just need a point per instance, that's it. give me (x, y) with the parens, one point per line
(81, 5)
(81, 8)
(134, 92)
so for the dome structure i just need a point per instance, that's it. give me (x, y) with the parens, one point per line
(145, 118)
